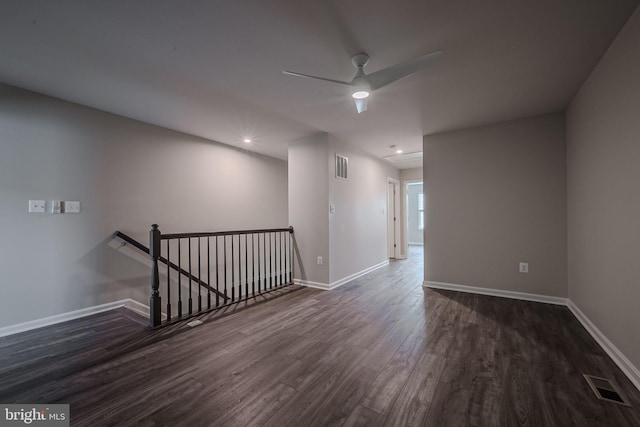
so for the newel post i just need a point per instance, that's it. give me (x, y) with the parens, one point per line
(292, 259)
(155, 313)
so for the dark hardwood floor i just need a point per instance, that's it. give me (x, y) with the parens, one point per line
(380, 350)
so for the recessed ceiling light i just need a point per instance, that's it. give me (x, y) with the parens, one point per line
(247, 140)
(398, 151)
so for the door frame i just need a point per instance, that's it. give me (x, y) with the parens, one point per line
(405, 210)
(393, 217)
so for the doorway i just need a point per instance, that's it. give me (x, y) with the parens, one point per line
(393, 216)
(414, 220)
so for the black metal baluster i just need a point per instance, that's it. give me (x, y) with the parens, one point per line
(280, 245)
(224, 242)
(190, 276)
(285, 257)
(179, 277)
(270, 263)
(168, 282)
(288, 239)
(199, 278)
(264, 248)
(253, 264)
(208, 273)
(239, 268)
(217, 275)
(233, 272)
(259, 268)
(246, 266)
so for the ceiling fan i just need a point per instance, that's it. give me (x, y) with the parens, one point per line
(363, 84)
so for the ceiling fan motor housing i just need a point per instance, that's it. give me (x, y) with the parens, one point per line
(360, 59)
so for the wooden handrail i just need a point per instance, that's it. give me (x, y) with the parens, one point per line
(222, 233)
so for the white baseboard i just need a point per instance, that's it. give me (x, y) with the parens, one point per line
(361, 273)
(310, 284)
(614, 353)
(496, 292)
(64, 317)
(138, 307)
(340, 282)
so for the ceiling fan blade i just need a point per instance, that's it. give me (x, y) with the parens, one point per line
(396, 72)
(291, 73)
(361, 105)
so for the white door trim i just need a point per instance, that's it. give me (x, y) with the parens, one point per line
(405, 211)
(393, 218)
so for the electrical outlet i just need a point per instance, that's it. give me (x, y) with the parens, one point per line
(319, 260)
(71, 207)
(36, 206)
(524, 267)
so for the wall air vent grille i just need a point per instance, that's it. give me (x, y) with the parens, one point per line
(342, 164)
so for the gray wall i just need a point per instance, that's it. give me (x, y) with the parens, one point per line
(309, 206)
(413, 174)
(496, 196)
(415, 235)
(353, 238)
(603, 134)
(127, 175)
(358, 228)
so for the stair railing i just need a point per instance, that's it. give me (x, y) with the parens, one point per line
(133, 242)
(238, 265)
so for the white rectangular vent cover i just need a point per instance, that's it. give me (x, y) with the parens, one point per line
(342, 164)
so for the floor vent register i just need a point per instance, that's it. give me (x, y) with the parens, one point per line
(606, 390)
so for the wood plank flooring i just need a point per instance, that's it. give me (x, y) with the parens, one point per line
(379, 351)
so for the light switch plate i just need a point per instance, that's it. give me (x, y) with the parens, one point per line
(36, 206)
(56, 206)
(71, 207)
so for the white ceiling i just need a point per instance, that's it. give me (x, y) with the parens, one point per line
(214, 68)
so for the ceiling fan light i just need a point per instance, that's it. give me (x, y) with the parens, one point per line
(360, 94)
